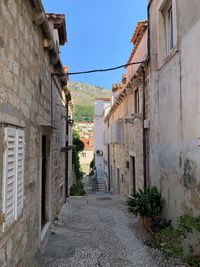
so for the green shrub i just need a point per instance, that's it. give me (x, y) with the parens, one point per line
(83, 113)
(146, 203)
(92, 167)
(160, 223)
(182, 242)
(78, 146)
(77, 189)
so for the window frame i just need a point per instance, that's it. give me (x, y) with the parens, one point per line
(83, 154)
(17, 201)
(166, 47)
(136, 101)
(169, 27)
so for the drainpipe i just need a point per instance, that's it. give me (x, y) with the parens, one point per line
(148, 18)
(143, 130)
(109, 184)
(109, 178)
(143, 98)
(51, 100)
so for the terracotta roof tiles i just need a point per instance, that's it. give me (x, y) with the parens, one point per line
(137, 36)
(88, 142)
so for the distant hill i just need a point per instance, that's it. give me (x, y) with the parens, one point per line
(83, 96)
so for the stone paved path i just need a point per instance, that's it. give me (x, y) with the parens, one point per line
(93, 231)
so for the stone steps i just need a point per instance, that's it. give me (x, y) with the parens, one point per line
(101, 185)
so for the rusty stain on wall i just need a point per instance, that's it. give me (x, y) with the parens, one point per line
(1, 42)
(195, 194)
(164, 179)
(189, 181)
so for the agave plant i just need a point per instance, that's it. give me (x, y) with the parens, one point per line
(146, 203)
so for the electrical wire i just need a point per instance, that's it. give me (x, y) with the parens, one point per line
(99, 70)
(103, 70)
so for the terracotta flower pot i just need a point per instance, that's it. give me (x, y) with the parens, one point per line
(146, 223)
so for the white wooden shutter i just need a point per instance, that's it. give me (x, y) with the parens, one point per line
(114, 133)
(19, 186)
(9, 169)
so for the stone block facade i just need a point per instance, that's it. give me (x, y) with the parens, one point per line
(31, 99)
(124, 161)
(126, 177)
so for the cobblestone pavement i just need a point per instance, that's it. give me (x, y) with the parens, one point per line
(95, 231)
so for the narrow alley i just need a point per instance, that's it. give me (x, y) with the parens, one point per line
(96, 230)
(99, 123)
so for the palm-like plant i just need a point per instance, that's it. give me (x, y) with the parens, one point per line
(146, 203)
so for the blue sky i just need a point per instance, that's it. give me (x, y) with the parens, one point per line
(99, 33)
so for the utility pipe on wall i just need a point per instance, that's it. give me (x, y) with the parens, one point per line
(143, 130)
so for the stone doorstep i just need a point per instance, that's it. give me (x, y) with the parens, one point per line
(44, 231)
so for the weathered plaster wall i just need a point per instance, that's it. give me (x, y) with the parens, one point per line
(139, 55)
(188, 16)
(174, 130)
(86, 159)
(101, 108)
(190, 96)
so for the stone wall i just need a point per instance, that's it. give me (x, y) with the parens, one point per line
(25, 101)
(120, 154)
(71, 174)
(125, 159)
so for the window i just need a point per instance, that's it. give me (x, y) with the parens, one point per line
(136, 101)
(13, 174)
(83, 154)
(117, 133)
(169, 28)
(166, 24)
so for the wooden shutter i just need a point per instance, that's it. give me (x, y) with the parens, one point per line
(9, 169)
(19, 186)
(13, 174)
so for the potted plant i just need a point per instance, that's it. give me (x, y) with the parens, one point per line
(148, 203)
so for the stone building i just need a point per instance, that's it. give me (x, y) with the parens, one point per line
(33, 176)
(85, 129)
(87, 155)
(101, 108)
(124, 124)
(174, 113)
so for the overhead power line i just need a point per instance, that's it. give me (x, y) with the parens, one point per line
(108, 69)
(99, 70)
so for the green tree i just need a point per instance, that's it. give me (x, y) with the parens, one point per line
(92, 167)
(78, 146)
(77, 143)
(84, 113)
